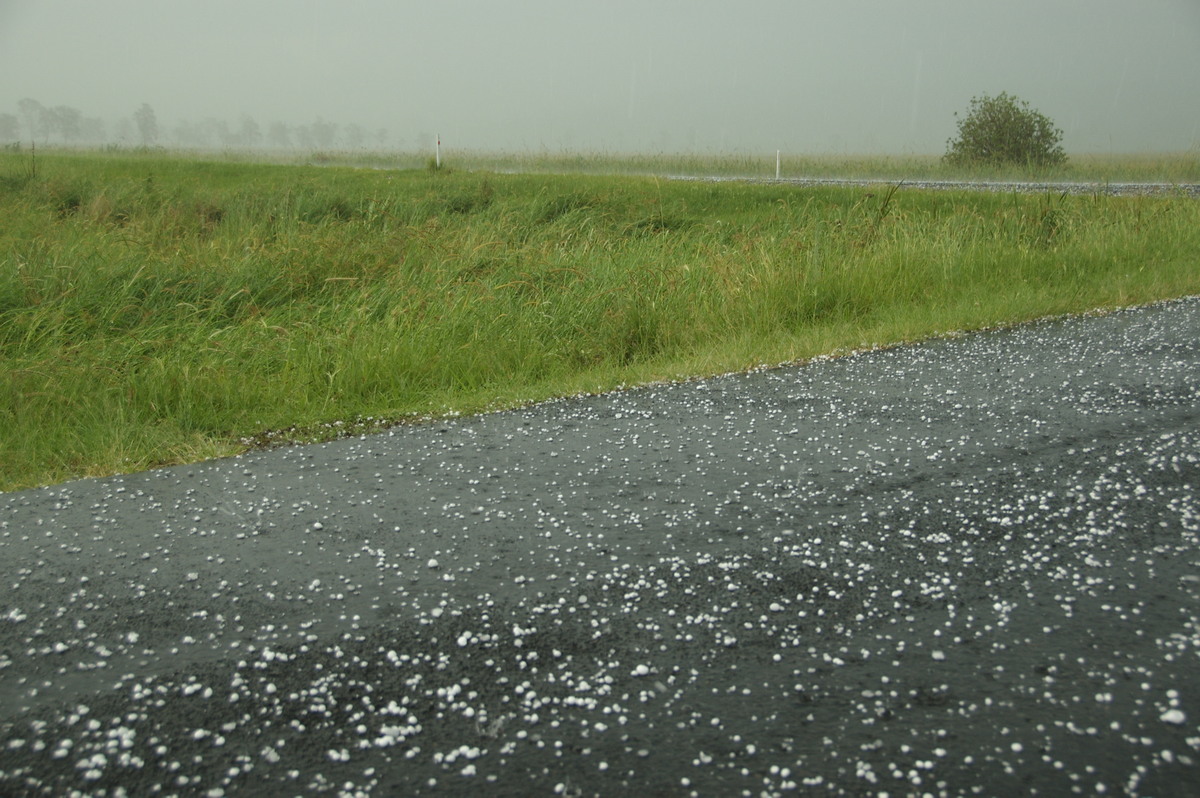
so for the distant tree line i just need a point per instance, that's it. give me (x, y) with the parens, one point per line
(63, 125)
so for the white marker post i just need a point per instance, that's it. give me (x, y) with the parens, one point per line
(776, 164)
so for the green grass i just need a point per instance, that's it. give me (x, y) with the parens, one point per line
(160, 310)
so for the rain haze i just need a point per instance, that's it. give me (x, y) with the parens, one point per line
(823, 76)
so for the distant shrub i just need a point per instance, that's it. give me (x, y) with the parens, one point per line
(1005, 130)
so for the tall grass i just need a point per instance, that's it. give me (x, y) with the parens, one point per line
(157, 310)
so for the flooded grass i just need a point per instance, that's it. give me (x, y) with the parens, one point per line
(158, 309)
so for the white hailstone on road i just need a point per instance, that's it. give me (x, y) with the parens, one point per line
(938, 655)
(433, 563)
(640, 670)
(1175, 716)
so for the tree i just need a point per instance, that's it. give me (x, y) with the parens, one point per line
(67, 121)
(35, 118)
(188, 134)
(10, 128)
(1004, 129)
(304, 137)
(221, 132)
(323, 133)
(251, 133)
(279, 136)
(147, 124)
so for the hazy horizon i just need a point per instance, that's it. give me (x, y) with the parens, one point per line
(830, 76)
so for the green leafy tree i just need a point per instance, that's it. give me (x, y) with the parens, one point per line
(1005, 130)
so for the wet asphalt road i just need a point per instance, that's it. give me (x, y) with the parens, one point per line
(969, 566)
(995, 186)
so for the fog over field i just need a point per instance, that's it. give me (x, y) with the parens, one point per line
(820, 76)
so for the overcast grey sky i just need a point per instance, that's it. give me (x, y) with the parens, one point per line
(804, 76)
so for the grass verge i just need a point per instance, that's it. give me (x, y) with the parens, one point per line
(158, 310)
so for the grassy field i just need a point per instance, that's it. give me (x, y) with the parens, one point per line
(160, 310)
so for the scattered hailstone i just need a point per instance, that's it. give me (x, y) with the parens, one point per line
(433, 563)
(1175, 716)
(938, 655)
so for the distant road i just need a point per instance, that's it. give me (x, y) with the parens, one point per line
(1063, 187)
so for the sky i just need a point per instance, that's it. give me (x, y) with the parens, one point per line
(647, 76)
